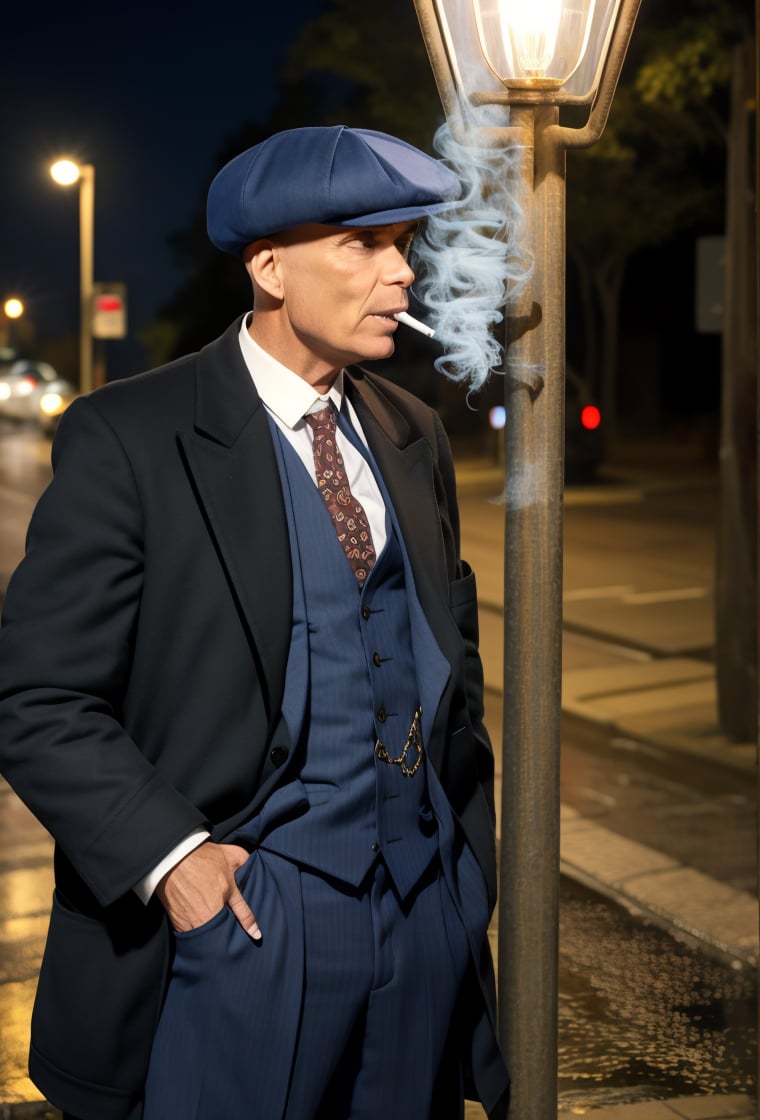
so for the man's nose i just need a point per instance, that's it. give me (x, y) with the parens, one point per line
(399, 270)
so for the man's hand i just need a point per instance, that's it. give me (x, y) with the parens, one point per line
(201, 884)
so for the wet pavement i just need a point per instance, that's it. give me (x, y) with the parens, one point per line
(643, 1014)
(25, 891)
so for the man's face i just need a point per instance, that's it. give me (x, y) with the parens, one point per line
(341, 287)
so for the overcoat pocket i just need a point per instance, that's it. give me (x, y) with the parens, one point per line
(98, 1000)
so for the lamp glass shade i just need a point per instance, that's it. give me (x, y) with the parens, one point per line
(526, 41)
(498, 45)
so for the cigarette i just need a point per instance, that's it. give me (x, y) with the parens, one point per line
(415, 324)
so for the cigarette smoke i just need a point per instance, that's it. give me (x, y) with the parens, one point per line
(468, 259)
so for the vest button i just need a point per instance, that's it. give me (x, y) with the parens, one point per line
(382, 715)
(366, 612)
(375, 846)
(278, 755)
(377, 659)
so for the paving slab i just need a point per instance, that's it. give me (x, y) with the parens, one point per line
(668, 701)
(615, 692)
(666, 627)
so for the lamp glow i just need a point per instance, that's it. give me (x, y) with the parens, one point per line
(533, 31)
(51, 403)
(534, 42)
(13, 308)
(65, 172)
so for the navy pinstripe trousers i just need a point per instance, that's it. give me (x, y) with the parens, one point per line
(341, 1013)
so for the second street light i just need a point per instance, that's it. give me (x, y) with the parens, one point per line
(503, 69)
(13, 309)
(66, 172)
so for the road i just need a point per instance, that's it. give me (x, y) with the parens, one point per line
(642, 1013)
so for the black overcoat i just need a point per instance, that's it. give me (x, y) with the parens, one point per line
(142, 662)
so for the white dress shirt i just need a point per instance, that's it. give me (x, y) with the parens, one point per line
(288, 398)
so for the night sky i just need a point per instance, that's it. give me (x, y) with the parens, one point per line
(147, 92)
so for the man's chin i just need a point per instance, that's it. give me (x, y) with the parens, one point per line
(383, 348)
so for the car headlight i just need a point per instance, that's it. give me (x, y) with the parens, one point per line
(5, 391)
(51, 403)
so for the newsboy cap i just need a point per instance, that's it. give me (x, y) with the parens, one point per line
(329, 175)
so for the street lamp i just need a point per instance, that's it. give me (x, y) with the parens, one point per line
(522, 60)
(13, 308)
(66, 172)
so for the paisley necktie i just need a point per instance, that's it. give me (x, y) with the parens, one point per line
(347, 513)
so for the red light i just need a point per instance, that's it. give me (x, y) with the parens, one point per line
(108, 303)
(591, 417)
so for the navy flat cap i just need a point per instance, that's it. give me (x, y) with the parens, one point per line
(329, 175)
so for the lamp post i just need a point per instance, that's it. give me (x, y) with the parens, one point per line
(13, 309)
(528, 58)
(66, 172)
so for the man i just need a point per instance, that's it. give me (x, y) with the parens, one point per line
(239, 684)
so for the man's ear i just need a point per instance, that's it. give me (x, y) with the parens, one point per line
(262, 265)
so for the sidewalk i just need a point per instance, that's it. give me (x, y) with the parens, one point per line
(670, 704)
(667, 702)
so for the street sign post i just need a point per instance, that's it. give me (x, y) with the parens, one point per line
(109, 310)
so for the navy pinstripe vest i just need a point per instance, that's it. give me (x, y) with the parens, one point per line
(360, 687)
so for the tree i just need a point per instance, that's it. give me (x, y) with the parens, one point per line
(736, 569)
(677, 152)
(655, 173)
(702, 56)
(373, 68)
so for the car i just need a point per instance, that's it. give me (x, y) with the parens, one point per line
(584, 446)
(33, 391)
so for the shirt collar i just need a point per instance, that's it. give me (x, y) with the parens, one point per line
(284, 393)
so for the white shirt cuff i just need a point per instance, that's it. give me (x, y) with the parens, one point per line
(145, 888)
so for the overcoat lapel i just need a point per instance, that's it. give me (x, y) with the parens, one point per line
(407, 470)
(231, 460)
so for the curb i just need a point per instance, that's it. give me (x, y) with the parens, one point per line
(719, 917)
